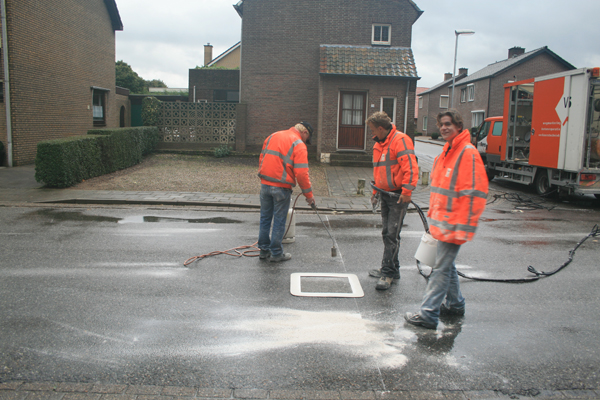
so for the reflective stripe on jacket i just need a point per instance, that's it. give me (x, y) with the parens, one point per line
(394, 163)
(459, 187)
(284, 160)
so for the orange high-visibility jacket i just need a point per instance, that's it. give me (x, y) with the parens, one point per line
(394, 163)
(459, 187)
(284, 160)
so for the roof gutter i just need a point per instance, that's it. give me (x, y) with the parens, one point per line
(9, 147)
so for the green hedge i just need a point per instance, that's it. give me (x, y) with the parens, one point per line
(66, 162)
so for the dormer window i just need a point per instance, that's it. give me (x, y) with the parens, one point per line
(382, 34)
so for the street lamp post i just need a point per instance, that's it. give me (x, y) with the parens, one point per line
(457, 34)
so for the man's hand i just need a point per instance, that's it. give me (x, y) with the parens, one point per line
(311, 202)
(373, 200)
(404, 198)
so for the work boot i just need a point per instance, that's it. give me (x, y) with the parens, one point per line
(282, 257)
(384, 283)
(459, 312)
(417, 320)
(264, 254)
(376, 273)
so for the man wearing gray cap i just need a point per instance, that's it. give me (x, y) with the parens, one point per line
(283, 162)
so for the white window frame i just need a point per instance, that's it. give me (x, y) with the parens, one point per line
(382, 42)
(420, 101)
(447, 98)
(471, 92)
(463, 95)
(425, 123)
(475, 122)
(393, 117)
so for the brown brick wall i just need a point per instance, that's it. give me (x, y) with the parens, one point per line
(280, 56)
(431, 108)
(207, 80)
(58, 50)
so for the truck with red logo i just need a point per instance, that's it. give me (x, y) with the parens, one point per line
(549, 135)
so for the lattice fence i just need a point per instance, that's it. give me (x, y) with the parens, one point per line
(210, 123)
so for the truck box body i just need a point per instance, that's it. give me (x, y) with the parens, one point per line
(549, 133)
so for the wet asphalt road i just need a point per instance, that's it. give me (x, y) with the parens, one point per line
(101, 295)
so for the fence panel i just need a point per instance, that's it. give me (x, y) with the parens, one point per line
(201, 123)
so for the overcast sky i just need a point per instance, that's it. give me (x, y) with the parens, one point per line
(163, 39)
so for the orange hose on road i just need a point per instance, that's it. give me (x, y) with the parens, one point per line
(236, 250)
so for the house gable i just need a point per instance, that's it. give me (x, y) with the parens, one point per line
(289, 54)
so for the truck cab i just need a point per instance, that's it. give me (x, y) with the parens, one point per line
(488, 137)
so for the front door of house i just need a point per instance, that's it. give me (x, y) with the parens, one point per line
(351, 123)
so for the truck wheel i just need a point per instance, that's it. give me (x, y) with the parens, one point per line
(541, 183)
(491, 173)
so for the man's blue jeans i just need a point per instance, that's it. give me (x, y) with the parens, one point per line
(274, 205)
(443, 284)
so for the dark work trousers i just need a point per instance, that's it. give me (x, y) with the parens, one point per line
(392, 217)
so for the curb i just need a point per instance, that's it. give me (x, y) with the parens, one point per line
(98, 391)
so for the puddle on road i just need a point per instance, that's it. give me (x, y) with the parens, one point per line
(342, 223)
(54, 216)
(137, 219)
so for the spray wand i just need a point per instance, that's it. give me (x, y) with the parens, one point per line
(334, 248)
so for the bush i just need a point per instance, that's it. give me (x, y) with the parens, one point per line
(66, 162)
(150, 107)
(222, 151)
(435, 135)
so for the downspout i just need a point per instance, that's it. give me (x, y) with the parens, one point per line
(9, 152)
(406, 106)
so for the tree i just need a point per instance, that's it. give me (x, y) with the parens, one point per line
(155, 83)
(128, 78)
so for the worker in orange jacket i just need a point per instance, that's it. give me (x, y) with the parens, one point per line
(459, 187)
(283, 162)
(395, 170)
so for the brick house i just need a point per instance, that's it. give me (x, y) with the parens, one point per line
(481, 94)
(216, 85)
(60, 58)
(331, 63)
(432, 101)
(230, 58)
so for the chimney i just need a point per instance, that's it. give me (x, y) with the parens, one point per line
(447, 76)
(463, 71)
(207, 54)
(515, 51)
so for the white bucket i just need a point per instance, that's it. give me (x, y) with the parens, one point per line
(427, 250)
(290, 236)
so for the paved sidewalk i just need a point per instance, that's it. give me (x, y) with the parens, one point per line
(18, 185)
(91, 391)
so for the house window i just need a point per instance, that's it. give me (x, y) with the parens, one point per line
(425, 124)
(444, 101)
(463, 95)
(477, 117)
(99, 107)
(229, 96)
(471, 92)
(420, 101)
(353, 106)
(381, 34)
(388, 105)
